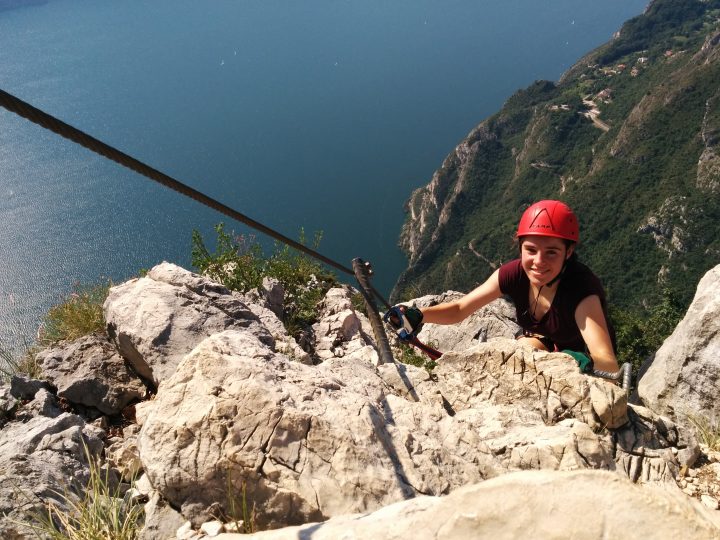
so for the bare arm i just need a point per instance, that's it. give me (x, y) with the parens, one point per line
(591, 321)
(456, 311)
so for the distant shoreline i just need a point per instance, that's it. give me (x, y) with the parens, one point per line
(13, 4)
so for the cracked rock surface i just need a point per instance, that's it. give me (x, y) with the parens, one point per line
(312, 442)
(90, 372)
(582, 505)
(682, 378)
(40, 460)
(157, 319)
(240, 410)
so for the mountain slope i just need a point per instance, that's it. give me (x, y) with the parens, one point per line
(629, 137)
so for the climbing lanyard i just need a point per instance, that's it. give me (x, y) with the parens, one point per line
(363, 271)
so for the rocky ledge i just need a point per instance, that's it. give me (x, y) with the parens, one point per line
(199, 394)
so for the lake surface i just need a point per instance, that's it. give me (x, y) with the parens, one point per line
(316, 114)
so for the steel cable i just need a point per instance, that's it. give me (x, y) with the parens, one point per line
(43, 119)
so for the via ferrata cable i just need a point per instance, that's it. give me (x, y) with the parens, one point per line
(43, 119)
(49, 122)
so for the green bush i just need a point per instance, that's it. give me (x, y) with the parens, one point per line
(240, 264)
(664, 20)
(640, 334)
(409, 355)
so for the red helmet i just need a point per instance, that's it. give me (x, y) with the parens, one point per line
(549, 218)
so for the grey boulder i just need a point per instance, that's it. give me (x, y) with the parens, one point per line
(496, 320)
(90, 372)
(42, 460)
(683, 378)
(544, 505)
(157, 319)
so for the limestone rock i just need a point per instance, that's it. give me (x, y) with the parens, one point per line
(123, 456)
(143, 487)
(684, 375)
(341, 329)
(367, 354)
(708, 170)
(644, 447)
(496, 320)
(161, 520)
(519, 390)
(212, 528)
(23, 387)
(90, 372)
(8, 403)
(668, 225)
(311, 442)
(609, 403)
(186, 532)
(158, 319)
(583, 505)
(38, 460)
(308, 442)
(548, 384)
(274, 294)
(64, 433)
(44, 404)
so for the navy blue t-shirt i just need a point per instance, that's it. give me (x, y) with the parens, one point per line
(558, 324)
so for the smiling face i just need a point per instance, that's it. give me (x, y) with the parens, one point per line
(543, 257)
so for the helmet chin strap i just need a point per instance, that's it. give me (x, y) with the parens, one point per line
(549, 284)
(560, 274)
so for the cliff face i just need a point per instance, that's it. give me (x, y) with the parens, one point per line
(198, 396)
(430, 207)
(629, 137)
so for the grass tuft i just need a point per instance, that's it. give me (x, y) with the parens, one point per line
(79, 314)
(102, 512)
(23, 363)
(708, 431)
(238, 516)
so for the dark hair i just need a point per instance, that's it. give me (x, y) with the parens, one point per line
(568, 245)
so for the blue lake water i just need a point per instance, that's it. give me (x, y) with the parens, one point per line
(322, 114)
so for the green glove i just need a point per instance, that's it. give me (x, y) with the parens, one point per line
(584, 362)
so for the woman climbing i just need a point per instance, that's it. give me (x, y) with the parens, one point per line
(560, 303)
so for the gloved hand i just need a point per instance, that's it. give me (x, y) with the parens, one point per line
(406, 320)
(584, 362)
